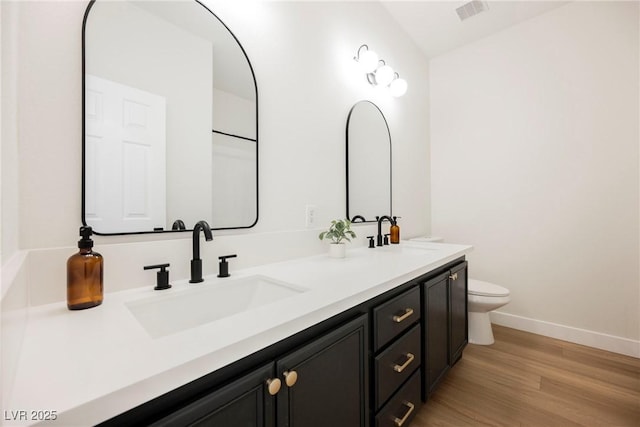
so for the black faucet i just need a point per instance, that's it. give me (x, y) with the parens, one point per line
(196, 262)
(380, 219)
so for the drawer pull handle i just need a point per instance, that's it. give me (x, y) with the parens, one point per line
(400, 368)
(273, 385)
(399, 421)
(407, 312)
(454, 276)
(290, 378)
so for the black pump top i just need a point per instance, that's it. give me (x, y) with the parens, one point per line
(85, 242)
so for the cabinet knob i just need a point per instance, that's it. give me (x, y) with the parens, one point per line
(290, 378)
(400, 421)
(454, 276)
(273, 385)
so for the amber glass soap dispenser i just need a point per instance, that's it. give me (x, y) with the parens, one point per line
(84, 274)
(395, 230)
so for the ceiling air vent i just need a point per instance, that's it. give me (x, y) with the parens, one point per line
(472, 8)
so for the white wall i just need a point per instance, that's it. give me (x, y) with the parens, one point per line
(9, 148)
(535, 146)
(307, 82)
(13, 271)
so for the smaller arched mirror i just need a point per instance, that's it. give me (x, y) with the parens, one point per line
(368, 163)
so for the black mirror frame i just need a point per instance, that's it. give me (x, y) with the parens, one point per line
(255, 83)
(358, 216)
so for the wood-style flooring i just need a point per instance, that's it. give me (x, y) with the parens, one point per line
(530, 380)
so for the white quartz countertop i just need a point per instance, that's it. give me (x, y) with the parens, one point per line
(91, 365)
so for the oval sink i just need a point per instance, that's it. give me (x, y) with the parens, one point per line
(211, 300)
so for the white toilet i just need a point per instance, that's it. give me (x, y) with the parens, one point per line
(483, 297)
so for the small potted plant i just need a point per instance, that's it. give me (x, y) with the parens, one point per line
(339, 232)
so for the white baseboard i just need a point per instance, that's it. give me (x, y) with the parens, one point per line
(568, 333)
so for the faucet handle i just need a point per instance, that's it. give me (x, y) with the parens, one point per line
(386, 239)
(162, 278)
(372, 244)
(178, 224)
(224, 265)
(358, 218)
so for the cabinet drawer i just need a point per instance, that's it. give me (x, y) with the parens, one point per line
(394, 365)
(395, 316)
(403, 406)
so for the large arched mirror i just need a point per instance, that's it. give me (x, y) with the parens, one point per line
(170, 119)
(368, 163)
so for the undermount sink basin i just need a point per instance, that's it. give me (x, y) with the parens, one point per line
(410, 248)
(206, 302)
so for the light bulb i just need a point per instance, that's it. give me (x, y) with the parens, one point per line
(398, 87)
(368, 61)
(384, 75)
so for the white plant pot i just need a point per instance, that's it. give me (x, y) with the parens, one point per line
(337, 250)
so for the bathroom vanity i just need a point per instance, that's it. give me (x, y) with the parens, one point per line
(352, 343)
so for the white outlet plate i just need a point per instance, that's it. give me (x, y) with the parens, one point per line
(310, 215)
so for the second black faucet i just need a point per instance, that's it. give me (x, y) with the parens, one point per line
(379, 237)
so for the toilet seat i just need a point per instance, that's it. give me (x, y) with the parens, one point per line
(486, 289)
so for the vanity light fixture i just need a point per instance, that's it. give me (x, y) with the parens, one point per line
(368, 59)
(378, 72)
(384, 74)
(398, 86)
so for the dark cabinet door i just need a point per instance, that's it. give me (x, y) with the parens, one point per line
(245, 402)
(436, 343)
(458, 312)
(325, 382)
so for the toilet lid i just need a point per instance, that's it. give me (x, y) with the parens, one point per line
(486, 289)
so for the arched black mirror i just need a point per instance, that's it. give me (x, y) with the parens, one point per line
(170, 119)
(368, 163)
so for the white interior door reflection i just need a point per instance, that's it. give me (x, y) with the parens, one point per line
(125, 157)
